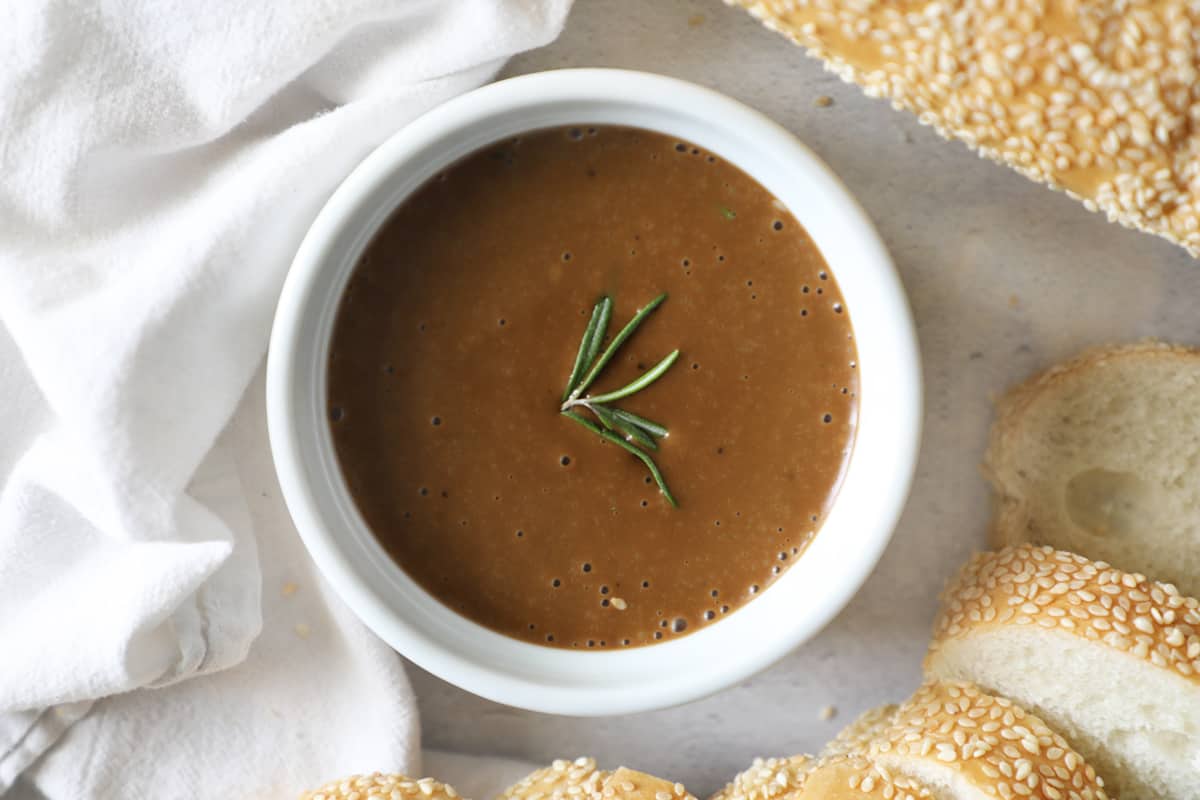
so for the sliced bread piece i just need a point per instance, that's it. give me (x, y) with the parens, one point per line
(581, 779)
(1101, 456)
(559, 780)
(850, 777)
(966, 744)
(767, 779)
(858, 735)
(1109, 658)
(840, 777)
(382, 786)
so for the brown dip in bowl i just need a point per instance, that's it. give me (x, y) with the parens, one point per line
(460, 324)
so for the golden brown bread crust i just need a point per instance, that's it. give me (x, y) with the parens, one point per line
(1011, 520)
(1089, 96)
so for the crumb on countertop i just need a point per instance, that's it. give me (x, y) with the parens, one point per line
(289, 589)
(827, 713)
(696, 20)
(823, 101)
(302, 630)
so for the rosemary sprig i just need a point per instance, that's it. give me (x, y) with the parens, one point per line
(618, 426)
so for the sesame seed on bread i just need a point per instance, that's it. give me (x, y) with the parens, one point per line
(380, 786)
(1098, 456)
(1109, 658)
(1093, 97)
(964, 743)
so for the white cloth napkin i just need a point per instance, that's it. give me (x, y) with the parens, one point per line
(159, 162)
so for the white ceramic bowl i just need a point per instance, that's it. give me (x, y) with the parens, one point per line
(796, 606)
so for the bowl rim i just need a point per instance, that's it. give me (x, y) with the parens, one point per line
(583, 694)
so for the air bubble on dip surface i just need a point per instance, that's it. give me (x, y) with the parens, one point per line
(566, 256)
(681, 147)
(556, 583)
(754, 589)
(424, 491)
(679, 625)
(575, 133)
(565, 461)
(586, 567)
(828, 418)
(336, 413)
(436, 421)
(658, 634)
(710, 614)
(777, 225)
(520, 534)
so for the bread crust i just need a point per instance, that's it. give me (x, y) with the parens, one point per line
(1012, 519)
(1042, 88)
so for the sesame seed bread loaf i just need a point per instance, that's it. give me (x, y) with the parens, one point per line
(1109, 658)
(767, 779)
(858, 778)
(839, 777)
(1098, 456)
(966, 744)
(380, 786)
(556, 781)
(858, 735)
(1090, 96)
(582, 780)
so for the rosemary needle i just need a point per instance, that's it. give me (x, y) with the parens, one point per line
(647, 378)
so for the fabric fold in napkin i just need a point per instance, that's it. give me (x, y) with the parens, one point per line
(159, 163)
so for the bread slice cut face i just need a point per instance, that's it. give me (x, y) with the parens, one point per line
(1108, 658)
(1101, 456)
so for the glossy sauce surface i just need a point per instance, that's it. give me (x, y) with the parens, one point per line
(454, 340)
